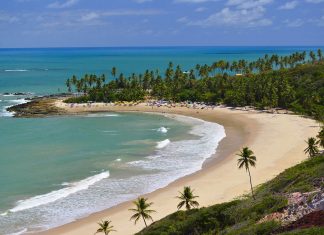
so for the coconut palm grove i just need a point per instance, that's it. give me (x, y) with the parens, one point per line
(293, 82)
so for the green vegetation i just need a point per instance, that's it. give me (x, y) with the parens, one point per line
(187, 199)
(246, 160)
(142, 210)
(240, 216)
(312, 148)
(307, 231)
(320, 137)
(292, 82)
(105, 227)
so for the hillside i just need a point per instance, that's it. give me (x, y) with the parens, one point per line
(290, 196)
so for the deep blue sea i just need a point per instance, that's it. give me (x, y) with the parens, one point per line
(57, 169)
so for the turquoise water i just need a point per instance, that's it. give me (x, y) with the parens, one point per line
(45, 70)
(54, 170)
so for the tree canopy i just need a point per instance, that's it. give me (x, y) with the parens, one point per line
(293, 82)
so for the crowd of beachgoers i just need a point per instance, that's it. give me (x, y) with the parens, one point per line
(187, 104)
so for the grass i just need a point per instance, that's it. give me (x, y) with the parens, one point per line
(308, 231)
(241, 216)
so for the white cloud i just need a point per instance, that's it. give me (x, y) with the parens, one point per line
(314, 1)
(183, 20)
(294, 23)
(319, 22)
(65, 4)
(85, 18)
(240, 17)
(7, 18)
(200, 9)
(132, 12)
(90, 16)
(246, 4)
(142, 1)
(289, 5)
(194, 1)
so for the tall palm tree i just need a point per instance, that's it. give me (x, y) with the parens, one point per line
(142, 210)
(312, 148)
(246, 160)
(114, 72)
(187, 199)
(312, 56)
(105, 227)
(320, 54)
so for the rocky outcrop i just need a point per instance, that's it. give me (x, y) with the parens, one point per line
(37, 107)
(299, 205)
(315, 218)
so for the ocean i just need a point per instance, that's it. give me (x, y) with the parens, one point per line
(57, 169)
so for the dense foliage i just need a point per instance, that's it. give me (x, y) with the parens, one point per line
(241, 216)
(293, 82)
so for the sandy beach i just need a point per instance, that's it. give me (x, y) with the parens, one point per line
(278, 141)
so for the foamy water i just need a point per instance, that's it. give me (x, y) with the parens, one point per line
(16, 70)
(163, 130)
(12, 102)
(93, 115)
(170, 160)
(58, 194)
(162, 144)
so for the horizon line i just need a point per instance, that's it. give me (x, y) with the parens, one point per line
(173, 46)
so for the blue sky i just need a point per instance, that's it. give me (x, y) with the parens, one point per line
(65, 23)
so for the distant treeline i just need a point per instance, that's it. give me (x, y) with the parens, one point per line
(295, 82)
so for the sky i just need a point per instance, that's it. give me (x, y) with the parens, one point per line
(109, 23)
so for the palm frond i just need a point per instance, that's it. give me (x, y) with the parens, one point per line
(180, 205)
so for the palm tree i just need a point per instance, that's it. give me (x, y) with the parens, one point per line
(68, 84)
(312, 148)
(105, 227)
(320, 137)
(187, 198)
(320, 54)
(114, 72)
(141, 210)
(312, 56)
(246, 160)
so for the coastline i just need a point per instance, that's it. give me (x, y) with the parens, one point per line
(276, 139)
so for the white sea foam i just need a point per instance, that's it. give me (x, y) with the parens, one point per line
(59, 194)
(5, 113)
(18, 101)
(18, 94)
(92, 115)
(192, 151)
(20, 232)
(16, 70)
(163, 143)
(162, 130)
(8, 95)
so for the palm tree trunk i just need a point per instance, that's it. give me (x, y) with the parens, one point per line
(144, 222)
(251, 183)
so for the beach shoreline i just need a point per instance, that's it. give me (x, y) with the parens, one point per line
(219, 173)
